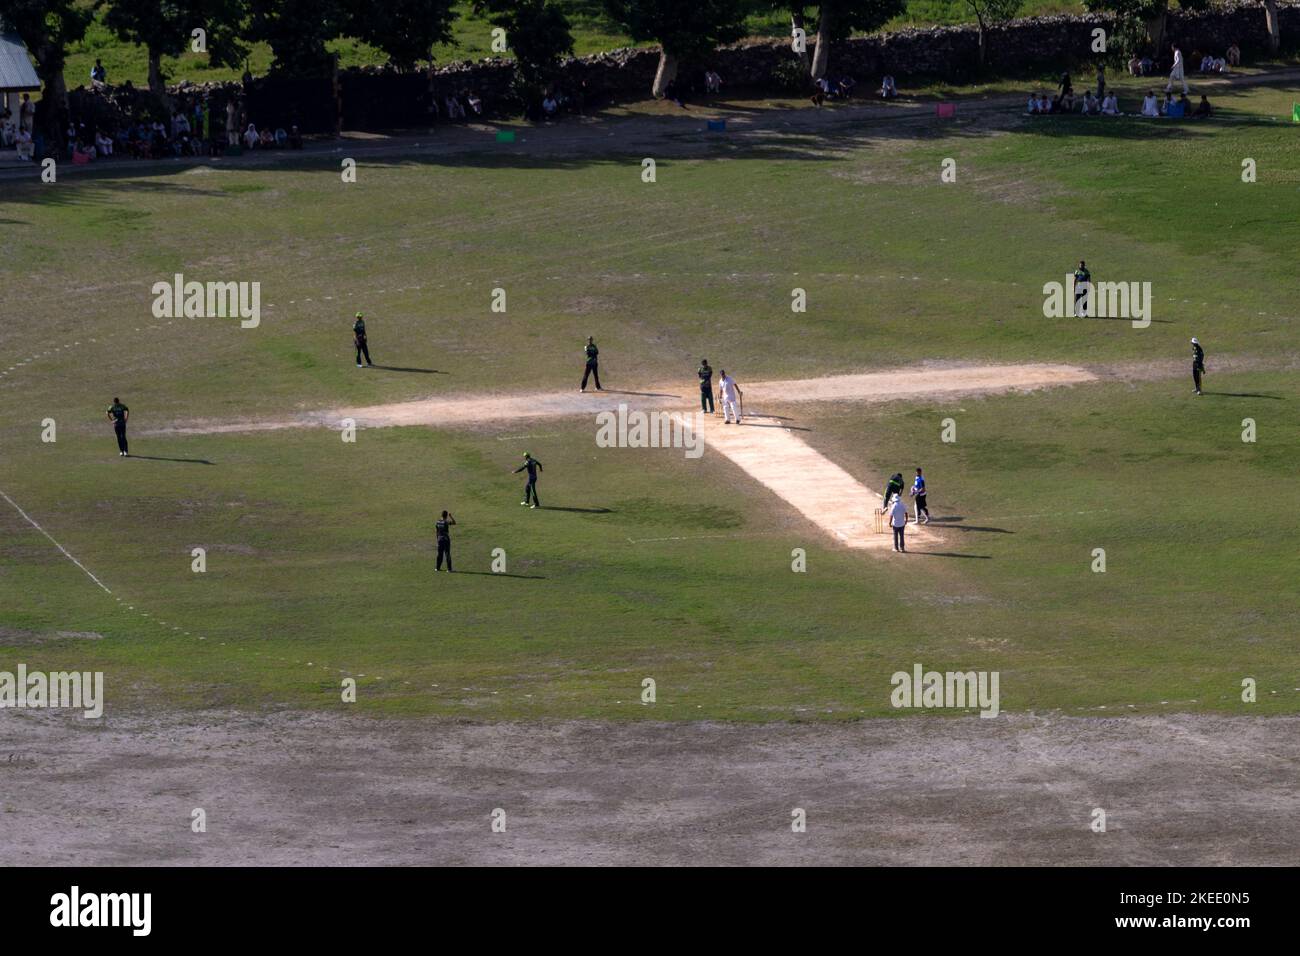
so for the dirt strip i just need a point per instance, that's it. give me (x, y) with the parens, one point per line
(341, 789)
(456, 410)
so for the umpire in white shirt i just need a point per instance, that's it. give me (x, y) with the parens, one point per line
(898, 521)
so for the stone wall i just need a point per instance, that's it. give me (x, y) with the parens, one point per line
(376, 98)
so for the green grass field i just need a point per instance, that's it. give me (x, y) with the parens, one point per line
(320, 553)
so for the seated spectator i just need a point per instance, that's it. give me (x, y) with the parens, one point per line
(1148, 66)
(281, 137)
(1150, 106)
(1044, 104)
(475, 102)
(1032, 106)
(8, 128)
(1110, 105)
(1234, 55)
(1091, 107)
(1134, 66)
(266, 139)
(821, 90)
(251, 139)
(1066, 104)
(1168, 102)
(887, 88)
(454, 109)
(98, 74)
(844, 89)
(1220, 65)
(1207, 63)
(712, 82)
(103, 145)
(1203, 108)
(23, 141)
(550, 105)
(295, 138)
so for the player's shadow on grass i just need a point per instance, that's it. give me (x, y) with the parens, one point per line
(793, 428)
(619, 391)
(1119, 318)
(396, 368)
(952, 521)
(1276, 398)
(503, 574)
(952, 554)
(585, 511)
(189, 461)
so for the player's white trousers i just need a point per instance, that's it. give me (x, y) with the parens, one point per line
(730, 410)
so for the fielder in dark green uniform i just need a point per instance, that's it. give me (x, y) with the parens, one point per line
(705, 374)
(1198, 364)
(530, 490)
(592, 354)
(359, 340)
(1082, 283)
(118, 414)
(441, 528)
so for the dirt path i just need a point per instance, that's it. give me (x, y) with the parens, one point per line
(334, 789)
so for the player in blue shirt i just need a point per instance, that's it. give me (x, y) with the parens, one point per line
(918, 492)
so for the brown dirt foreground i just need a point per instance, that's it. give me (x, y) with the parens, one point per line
(332, 789)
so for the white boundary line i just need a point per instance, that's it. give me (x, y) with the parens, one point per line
(66, 553)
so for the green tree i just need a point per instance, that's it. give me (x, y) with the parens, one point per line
(296, 31)
(165, 28)
(48, 28)
(838, 19)
(990, 12)
(406, 30)
(683, 28)
(1150, 13)
(299, 30)
(537, 33)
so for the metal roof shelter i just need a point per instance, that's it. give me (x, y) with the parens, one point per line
(16, 72)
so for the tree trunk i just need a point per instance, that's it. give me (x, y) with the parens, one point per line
(156, 85)
(666, 73)
(823, 52)
(982, 46)
(796, 22)
(1274, 25)
(52, 109)
(1155, 28)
